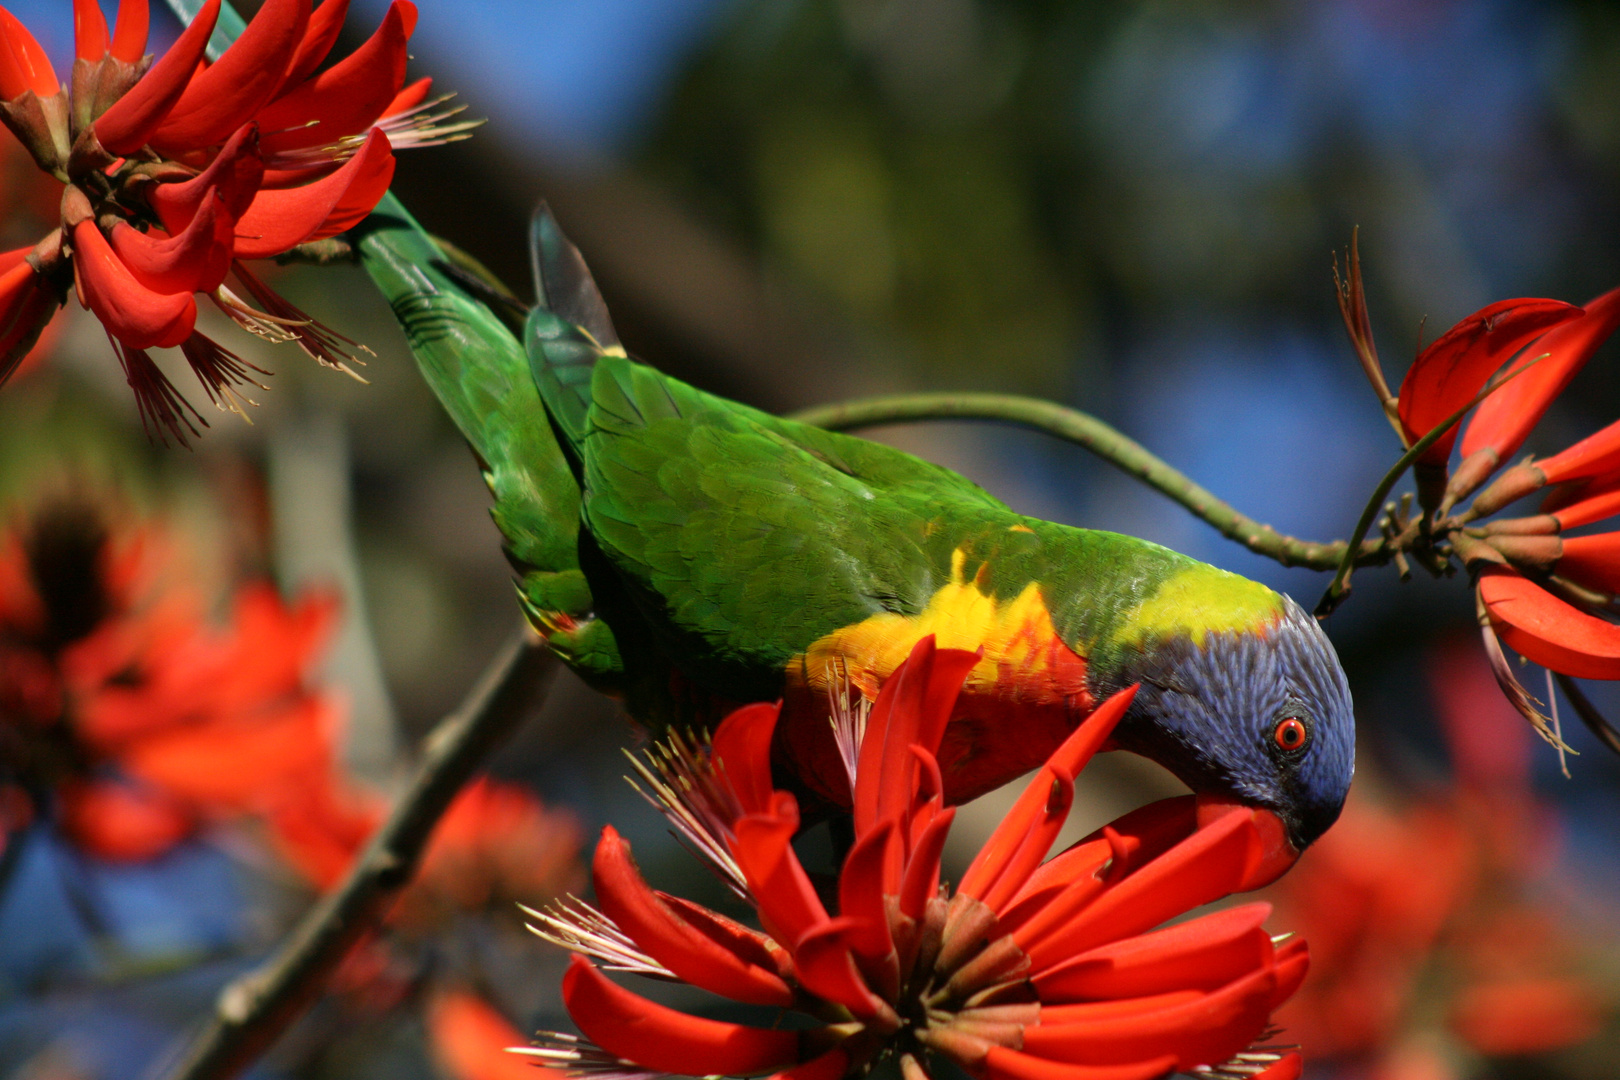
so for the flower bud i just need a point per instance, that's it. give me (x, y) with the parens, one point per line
(1511, 486)
(1538, 525)
(1530, 552)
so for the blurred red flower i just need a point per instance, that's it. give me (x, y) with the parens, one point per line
(470, 1039)
(1033, 969)
(125, 714)
(496, 844)
(1467, 949)
(178, 169)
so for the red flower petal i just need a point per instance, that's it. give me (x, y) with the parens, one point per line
(1293, 961)
(319, 832)
(663, 1040)
(347, 97)
(662, 934)
(136, 315)
(128, 124)
(1593, 561)
(224, 96)
(26, 308)
(829, 1066)
(1543, 628)
(1590, 508)
(912, 707)
(1271, 854)
(1209, 864)
(871, 869)
(742, 745)
(234, 175)
(469, 1039)
(129, 34)
(1504, 420)
(1142, 834)
(1026, 834)
(1452, 369)
(121, 821)
(788, 904)
(23, 63)
(1597, 453)
(321, 33)
(1004, 1064)
(827, 969)
(243, 765)
(196, 260)
(750, 945)
(921, 880)
(409, 98)
(1201, 954)
(1205, 1029)
(278, 220)
(89, 31)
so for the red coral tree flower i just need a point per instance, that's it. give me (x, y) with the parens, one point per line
(125, 715)
(1031, 969)
(176, 170)
(1550, 596)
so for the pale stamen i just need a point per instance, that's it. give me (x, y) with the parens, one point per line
(696, 799)
(579, 927)
(579, 1057)
(848, 718)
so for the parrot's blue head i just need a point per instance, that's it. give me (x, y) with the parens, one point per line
(1260, 715)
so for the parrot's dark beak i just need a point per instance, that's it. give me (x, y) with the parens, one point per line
(1270, 854)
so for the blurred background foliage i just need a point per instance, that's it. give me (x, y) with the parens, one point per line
(1127, 207)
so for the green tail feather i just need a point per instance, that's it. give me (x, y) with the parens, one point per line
(567, 331)
(480, 374)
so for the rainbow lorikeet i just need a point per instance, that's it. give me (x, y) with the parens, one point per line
(686, 553)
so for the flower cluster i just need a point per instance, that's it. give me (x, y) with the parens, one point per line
(128, 721)
(177, 170)
(124, 714)
(1549, 596)
(1031, 969)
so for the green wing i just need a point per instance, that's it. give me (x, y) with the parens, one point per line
(745, 537)
(481, 375)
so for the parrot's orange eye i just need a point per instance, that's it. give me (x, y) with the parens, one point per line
(1290, 734)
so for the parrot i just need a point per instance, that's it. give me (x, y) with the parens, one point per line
(686, 554)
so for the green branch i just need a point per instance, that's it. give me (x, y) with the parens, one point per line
(1339, 587)
(1113, 446)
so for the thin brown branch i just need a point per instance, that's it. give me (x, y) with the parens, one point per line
(255, 1009)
